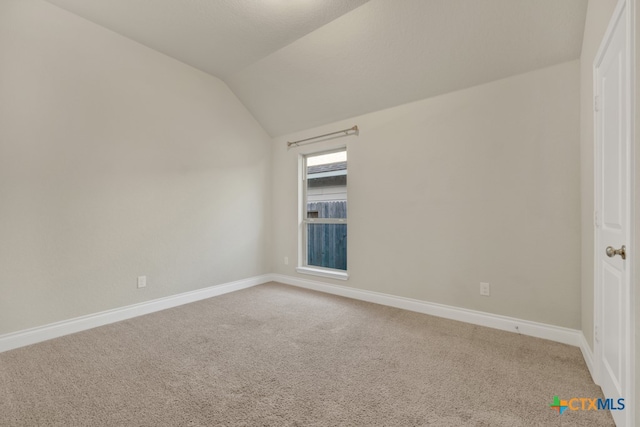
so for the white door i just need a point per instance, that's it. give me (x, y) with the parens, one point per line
(612, 287)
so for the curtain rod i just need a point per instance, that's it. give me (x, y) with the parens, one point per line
(345, 131)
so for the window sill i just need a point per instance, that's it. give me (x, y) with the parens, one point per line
(331, 274)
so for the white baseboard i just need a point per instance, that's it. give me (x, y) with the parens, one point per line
(66, 327)
(511, 324)
(525, 327)
(587, 354)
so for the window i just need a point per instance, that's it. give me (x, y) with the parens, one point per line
(323, 225)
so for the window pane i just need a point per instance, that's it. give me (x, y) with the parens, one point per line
(327, 245)
(327, 185)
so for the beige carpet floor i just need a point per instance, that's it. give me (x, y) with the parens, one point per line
(275, 355)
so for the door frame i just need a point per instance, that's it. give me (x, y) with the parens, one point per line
(634, 261)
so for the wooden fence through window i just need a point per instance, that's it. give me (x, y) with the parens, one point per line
(327, 243)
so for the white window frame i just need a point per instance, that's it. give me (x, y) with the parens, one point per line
(303, 220)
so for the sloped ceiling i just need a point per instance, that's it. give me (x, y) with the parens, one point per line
(297, 64)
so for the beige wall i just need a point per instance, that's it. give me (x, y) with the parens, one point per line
(477, 185)
(117, 161)
(598, 15)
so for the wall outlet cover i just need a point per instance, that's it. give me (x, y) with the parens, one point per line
(485, 289)
(142, 281)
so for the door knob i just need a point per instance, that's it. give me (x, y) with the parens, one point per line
(611, 252)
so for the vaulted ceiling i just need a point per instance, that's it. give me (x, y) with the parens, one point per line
(297, 64)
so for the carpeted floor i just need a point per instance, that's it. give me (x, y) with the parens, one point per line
(275, 355)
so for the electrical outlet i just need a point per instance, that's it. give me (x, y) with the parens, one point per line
(142, 281)
(485, 289)
(286, 260)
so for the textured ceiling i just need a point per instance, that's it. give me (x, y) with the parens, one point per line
(300, 64)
